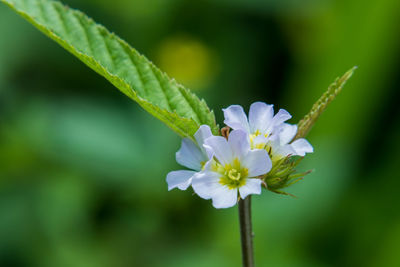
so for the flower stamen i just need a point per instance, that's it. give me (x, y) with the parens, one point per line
(234, 174)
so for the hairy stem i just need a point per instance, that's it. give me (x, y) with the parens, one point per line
(246, 232)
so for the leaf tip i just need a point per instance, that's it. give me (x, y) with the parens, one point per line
(348, 74)
(305, 125)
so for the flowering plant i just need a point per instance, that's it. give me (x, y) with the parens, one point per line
(243, 161)
(262, 150)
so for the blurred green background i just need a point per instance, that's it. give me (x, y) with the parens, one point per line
(82, 167)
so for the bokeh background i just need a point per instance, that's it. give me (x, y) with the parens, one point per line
(82, 167)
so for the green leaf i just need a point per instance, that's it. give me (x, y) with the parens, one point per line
(305, 125)
(123, 66)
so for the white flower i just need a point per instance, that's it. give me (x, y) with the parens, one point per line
(192, 156)
(267, 131)
(280, 143)
(261, 119)
(233, 169)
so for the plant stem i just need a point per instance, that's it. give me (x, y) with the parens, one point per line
(246, 232)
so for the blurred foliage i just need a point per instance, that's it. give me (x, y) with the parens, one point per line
(82, 168)
(114, 59)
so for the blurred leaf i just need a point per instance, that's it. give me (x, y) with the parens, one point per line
(119, 63)
(318, 108)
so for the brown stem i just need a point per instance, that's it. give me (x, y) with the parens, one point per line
(246, 233)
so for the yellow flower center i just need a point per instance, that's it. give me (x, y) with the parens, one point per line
(233, 175)
(259, 145)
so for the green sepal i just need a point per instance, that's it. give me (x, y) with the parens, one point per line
(283, 174)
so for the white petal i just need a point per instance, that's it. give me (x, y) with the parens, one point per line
(239, 143)
(260, 140)
(181, 179)
(281, 151)
(206, 184)
(207, 166)
(258, 162)
(236, 118)
(287, 133)
(274, 137)
(252, 186)
(302, 146)
(225, 197)
(278, 119)
(260, 116)
(221, 149)
(190, 155)
(209, 151)
(201, 135)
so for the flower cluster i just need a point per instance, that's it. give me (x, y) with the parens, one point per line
(259, 151)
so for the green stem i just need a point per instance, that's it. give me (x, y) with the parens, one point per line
(246, 233)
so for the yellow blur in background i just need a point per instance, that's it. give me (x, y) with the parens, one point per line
(188, 60)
